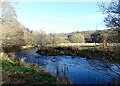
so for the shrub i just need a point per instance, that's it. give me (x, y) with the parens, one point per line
(76, 38)
(11, 38)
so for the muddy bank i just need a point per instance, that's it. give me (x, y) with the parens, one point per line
(90, 53)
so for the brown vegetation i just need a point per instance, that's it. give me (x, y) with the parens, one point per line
(108, 54)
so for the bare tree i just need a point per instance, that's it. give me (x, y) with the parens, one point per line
(112, 19)
(103, 39)
(11, 34)
(41, 38)
(112, 10)
(8, 14)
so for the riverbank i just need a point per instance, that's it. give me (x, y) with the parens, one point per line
(110, 54)
(20, 73)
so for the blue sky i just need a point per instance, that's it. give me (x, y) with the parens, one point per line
(60, 16)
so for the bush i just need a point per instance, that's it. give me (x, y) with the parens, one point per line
(76, 38)
(11, 38)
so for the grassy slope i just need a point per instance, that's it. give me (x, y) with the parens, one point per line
(14, 72)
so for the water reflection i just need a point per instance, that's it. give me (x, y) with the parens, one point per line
(75, 69)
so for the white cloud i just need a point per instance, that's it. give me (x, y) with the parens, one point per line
(51, 23)
(93, 17)
(49, 17)
(70, 19)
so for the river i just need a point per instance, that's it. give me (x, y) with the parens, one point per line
(76, 69)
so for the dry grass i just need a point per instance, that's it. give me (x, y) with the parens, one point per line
(87, 44)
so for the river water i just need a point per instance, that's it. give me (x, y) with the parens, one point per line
(76, 69)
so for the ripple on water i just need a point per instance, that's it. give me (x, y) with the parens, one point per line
(78, 70)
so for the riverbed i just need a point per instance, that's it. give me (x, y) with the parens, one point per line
(78, 70)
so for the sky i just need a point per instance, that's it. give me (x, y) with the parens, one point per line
(59, 17)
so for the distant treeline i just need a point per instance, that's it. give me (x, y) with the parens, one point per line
(100, 36)
(96, 36)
